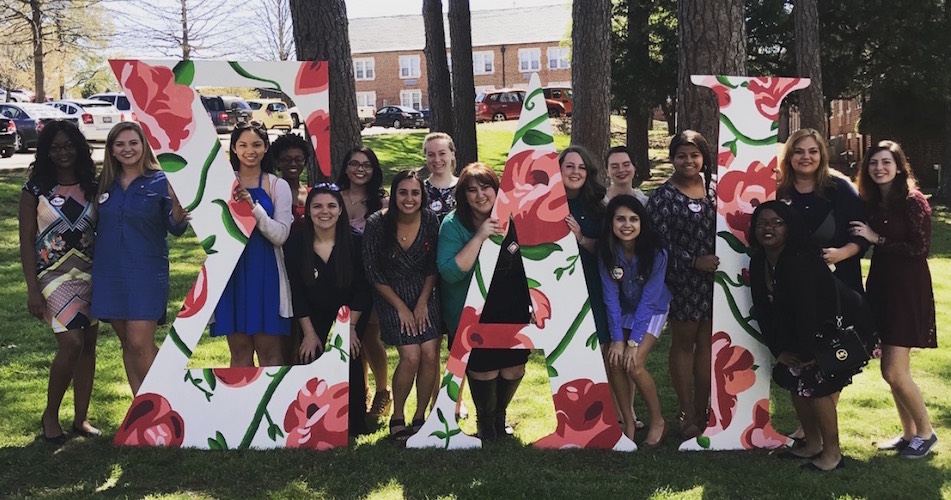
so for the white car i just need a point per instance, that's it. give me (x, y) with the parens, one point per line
(94, 117)
(15, 96)
(120, 101)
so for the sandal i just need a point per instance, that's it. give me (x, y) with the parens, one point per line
(688, 429)
(417, 424)
(398, 430)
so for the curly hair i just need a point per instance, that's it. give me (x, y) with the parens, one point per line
(43, 171)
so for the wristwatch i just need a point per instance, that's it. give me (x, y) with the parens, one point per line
(632, 343)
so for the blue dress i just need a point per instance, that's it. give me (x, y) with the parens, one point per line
(251, 301)
(132, 250)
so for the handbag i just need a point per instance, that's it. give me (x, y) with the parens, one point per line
(840, 350)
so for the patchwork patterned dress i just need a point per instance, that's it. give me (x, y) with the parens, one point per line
(66, 226)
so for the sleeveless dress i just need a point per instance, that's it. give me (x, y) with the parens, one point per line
(251, 301)
(65, 233)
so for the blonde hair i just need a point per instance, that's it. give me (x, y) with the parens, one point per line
(787, 177)
(110, 164)
(435, 136)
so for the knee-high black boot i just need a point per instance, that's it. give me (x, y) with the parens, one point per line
(505, 393)
(485, 399)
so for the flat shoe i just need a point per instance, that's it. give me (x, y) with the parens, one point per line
(84, 433)
(898, 444)
(809, 466)
(57, 440)
(663, 434)
(789, 455)
(417, 424)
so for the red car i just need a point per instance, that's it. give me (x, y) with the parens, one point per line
(506, 104)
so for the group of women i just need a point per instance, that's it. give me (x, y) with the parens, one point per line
(403, 263)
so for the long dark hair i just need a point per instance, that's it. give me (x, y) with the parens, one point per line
(797, 236)
(343, 247)
(375, 186)
(904, 181)
(478, 173)
(389, 218)
(592, 192)
(693, 138)
(267, 163)
(648, 241)
(43, 171)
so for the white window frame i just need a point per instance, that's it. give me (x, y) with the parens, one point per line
(483, 63)
(407, 98)
(368, 98)
(409, 67)
(364, 69)
(529, 60)
(559, 56)
(449, 63)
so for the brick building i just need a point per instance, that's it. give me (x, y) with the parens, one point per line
(508, 45)
(847, 144)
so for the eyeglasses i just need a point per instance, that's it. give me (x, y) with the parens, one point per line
(329, 186)
(772, 223)
(296, 160)
(57, 148)
(354, 164)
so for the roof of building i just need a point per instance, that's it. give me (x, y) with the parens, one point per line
(489, 27)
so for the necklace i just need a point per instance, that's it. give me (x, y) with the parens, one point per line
(364, 200)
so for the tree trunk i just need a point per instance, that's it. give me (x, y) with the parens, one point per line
(808, 64)
(36, 23)
(321, 33)
(463, 86)
(782, 133)
(670, 114)
(712, 36)
(591, 75)
(186, 45)
(437, 68)
(639, 111)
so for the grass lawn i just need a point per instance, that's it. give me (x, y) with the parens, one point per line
(375, 467)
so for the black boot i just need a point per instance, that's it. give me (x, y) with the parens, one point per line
(505, 393)
(485, 399)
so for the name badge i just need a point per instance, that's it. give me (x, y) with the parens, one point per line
(695, 207)
(617, 274)
(435, 206)
(57, 201)
(103, 198)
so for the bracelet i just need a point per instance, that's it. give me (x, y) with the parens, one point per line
(881, 241)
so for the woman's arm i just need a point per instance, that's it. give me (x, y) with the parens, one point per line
(312, 344)
(421, 312)
(277, 228)
(178, 217)
(35, 302)
(918, 216)
(655, 298)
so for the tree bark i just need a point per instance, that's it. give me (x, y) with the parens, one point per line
(186, 46)
(808, 64)
(463, 86)
(437, 68)
(591, 75)
(712, 37)
(321, 33)
(36, 10)
(639, 111)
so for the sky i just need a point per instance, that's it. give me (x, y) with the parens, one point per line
(379, 8)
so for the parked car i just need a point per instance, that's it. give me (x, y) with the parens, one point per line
(273, 113)
(95, 118)
(558, 100)
(8, 137)
(30, 118)
(499, 105)
(367, 115)
(399, 117)
(15, 96)
(121, 102)
(226, 111)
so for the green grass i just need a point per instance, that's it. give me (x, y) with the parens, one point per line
(373, 466)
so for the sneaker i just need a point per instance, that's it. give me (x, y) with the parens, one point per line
(381, 403)
(897, 444)
(918, 448)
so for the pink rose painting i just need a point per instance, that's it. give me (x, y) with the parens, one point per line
(582, 409)
(151, 421)
(741, 191)
(531, 192)
(317, 419)
(165, 107)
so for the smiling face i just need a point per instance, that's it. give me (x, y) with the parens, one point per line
(324, 211)
(291, 163)
(409, 196)
(770, 230)
(806, 157)
(128, 149)
(625, 224)
(481, 197)
(250, 149)
(882, 168)
(439, 157)
(62, 151)
(359, 169)
(573, 173)
(620, 169)
(687, 160)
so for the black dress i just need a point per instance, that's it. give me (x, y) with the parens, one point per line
(802, 299)
(321, 299)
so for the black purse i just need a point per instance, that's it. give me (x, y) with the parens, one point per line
(840, 350)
